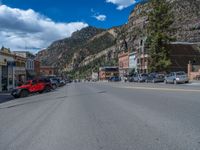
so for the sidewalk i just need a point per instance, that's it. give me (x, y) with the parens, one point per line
(195, 81)
(5, 96)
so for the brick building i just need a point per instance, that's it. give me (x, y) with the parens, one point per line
(123, 60)
(37, 67)
(47, 70)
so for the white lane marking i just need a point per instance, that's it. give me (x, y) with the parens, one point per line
(159, 89)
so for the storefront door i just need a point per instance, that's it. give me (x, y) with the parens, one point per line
(4, 78)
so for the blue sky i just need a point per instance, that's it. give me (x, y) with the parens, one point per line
(39, 22)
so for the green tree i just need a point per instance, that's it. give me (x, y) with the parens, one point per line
(160, 20)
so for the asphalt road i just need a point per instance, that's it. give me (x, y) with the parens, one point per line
(103, 116)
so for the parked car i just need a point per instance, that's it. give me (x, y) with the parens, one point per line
(32, 86)
(114, 79)
(68, 81)
(176, 77)
(62, 82)
(131, 78)
(139, 77)
(54, 83)
(155, 77)
(57, 82)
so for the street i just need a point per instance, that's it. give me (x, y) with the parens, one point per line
(104, 116)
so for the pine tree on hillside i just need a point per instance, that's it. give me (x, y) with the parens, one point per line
(160, 19)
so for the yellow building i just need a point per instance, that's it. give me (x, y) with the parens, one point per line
(7, 63)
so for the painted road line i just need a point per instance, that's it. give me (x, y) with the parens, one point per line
(160, 89)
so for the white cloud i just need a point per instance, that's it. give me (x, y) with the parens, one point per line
(100, 17)
(27, 28)
(121, 4)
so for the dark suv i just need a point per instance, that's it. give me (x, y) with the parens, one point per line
(32, 86)
(155, 77)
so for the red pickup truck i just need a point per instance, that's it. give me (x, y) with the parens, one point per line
(32, 86)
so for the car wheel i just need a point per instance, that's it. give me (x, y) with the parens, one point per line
(40, 92)
(54, 86)
(24, 93)
(187, 82)
(175, 82)
(16, 96)
(47, 89)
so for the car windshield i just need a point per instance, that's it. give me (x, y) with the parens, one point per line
(180, 73)
(144, 75)
(27, 82)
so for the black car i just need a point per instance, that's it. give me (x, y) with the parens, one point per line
(155, 77)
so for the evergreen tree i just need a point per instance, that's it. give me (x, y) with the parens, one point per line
(160, 19)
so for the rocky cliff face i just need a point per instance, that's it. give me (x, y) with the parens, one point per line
(186, 20)
(68, 53)
(186, 23)
(89, 44)
(60, 52)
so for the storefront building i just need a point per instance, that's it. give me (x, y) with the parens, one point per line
(30, 69)
(142, 56)
(7, 70)
(123, 59)
(37, 67)
(107, 72)
(132, 63)
(20, 70)
(47, 70)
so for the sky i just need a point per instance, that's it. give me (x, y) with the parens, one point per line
(34, 24)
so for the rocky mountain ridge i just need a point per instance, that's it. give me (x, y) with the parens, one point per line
(90, 44)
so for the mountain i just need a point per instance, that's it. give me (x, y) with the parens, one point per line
(186, 20)
(91, 47)
(68, 53)
(65, 48)
(186, 26)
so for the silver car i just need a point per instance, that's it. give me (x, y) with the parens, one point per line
(176, 77)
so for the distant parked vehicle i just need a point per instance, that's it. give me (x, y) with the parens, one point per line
(176, 77)
(54, 83)
(69, 81)
(139, 77)
(114, 79)
(155, 77)
(32, 86)
(57, 82)
(62, 82)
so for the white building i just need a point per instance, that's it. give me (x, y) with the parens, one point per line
(132, 62)
(30, 68)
